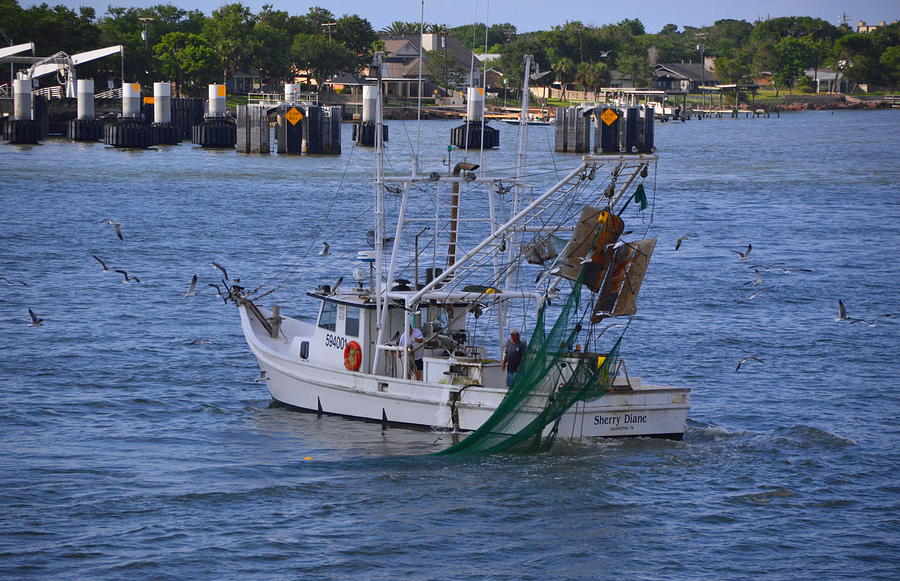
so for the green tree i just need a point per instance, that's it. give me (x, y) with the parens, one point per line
(733, 69)
(270, 52)
(321, 56)
(473, 36)
(773, 30)
(123, 26)
(592, 76)
(187, 60)
(890, 64)
(564, 70)
(398, 28)
(54, 29)
(671, 45)
(791, 56)
(728, 36)
(637, 69)
(512, 59)
(856, 57)
(356, 34)
(227, 31)
(314, 20)
(444, 70)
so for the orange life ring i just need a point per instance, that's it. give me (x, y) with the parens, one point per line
(352, 356)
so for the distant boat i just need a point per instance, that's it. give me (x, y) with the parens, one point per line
(529, 122)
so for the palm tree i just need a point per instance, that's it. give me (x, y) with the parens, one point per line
(563, 69)
(398, 28)
(593, 76)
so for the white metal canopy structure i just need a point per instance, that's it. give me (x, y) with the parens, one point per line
(16, 49)
(41, 69)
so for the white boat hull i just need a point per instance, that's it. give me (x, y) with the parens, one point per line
(653, 411)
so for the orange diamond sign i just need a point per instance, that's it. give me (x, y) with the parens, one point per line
(293, 116)
(609, 116)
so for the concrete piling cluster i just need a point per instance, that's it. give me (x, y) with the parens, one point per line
(364, 132)
(23, 128)
(85, 127)
(616, 130)
(306, 129)
(166, 132)
(216, 130)
(475, 133)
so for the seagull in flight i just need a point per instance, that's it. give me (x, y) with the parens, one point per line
(222, 268)
(745, 255)
(117, 226)
(869, 323)
(35, 320)
(608, 327)
(128, 278)
(788, 271)
(102, 263)
(326, 249)
(745, 360)
(766, 267)
(757, 280)
(13, 282)
(754, 295)
(842, 311)
(191, 291)
(679, 240)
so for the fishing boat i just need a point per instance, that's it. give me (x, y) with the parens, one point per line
(465, 258)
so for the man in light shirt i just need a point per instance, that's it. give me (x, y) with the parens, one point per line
(415, 340)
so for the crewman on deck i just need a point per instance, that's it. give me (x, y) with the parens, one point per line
(512, 356)
(414, 339)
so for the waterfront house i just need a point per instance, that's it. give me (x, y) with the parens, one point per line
(401, 63)
(684, 77)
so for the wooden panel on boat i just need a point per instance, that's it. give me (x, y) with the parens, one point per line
(618, 295)
(588, 241)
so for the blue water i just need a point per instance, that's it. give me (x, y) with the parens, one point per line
(128, 451)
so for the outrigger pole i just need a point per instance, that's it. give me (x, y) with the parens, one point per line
(499, 232)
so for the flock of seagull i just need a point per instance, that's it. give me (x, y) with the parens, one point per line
(37, 321)
(758, 280)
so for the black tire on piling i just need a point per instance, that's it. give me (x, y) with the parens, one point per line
(167, 133)
(22, 131)
(215, 133)
(129, 134)
(84, 130)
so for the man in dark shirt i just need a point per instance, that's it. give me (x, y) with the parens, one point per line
(512, 356)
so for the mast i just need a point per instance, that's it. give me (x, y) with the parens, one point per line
(380, 303)
(512, 277)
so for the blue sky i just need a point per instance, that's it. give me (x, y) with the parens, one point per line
(542, 14)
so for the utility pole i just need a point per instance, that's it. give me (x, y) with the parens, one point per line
(145, 36)
(701, 36)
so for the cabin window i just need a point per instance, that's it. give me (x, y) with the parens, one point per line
(328, 316)
(351, 324)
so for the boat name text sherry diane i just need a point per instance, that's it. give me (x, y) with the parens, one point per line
(614, 420)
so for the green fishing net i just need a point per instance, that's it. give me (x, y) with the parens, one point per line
(552, 376)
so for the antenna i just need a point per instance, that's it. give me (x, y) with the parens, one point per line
(415, 164)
